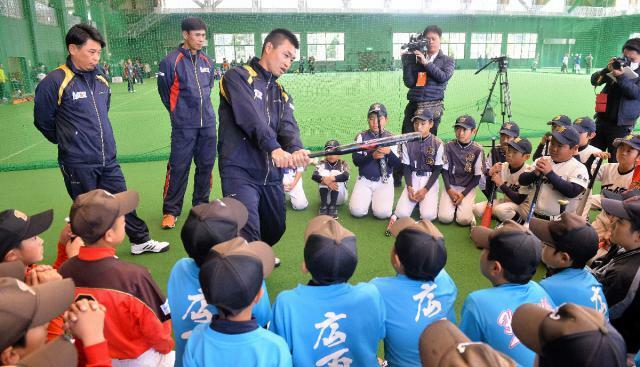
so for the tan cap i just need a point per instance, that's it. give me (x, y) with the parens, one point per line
(23, 307)
(442, 344)
(482, 236)
(12, 269)
(257, 249)
(571, 234)
(95, 212)
(330, 252)
(326, 226)
(422, 226)
(59, 352)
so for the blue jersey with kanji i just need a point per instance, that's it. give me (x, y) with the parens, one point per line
(487, 313)
(332, 325)
(411, 306)
(258, 348)
(577, 286)
(189, 308)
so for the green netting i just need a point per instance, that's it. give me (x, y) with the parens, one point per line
(356, 65)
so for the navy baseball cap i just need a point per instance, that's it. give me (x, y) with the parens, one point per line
(521, 145)
(566, 135)
(330, 252)
(627, 209)
(560, 120)
(377, 108)
(510, 128)
(631, 140)
(584, 125)
(210, 224)
(420, 248)
(465, 121)
(571, 335)
(513, 245)
(424, 114)
(331, 144)
(231, 276)
(16, 226)
(571, 234)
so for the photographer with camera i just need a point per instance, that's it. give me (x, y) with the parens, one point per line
(426, 71)
(618, 104)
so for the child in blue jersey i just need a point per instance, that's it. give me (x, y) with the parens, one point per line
(421, 293)
(207, 225)
(567, 246)
(510, 256)
(231, 277)
(329, 322)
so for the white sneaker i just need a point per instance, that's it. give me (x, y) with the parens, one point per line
(277, 262)
(149, 246)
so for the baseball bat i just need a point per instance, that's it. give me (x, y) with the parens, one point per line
(635, 180)
(585, 198)
(488, 210)
(563, 205)
(534, 201)
(546, 144)
(368, 145)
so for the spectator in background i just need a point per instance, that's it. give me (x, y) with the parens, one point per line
(312, 64)
(588, 62)
(565, 64)
(129, 75)
(3, 81)
(146, 69)
(301, 65)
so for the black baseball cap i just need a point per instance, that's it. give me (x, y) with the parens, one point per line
(571, 234)
(521, 145)
(210, 224)
(571, 335)
(631, 140)
(567, 135)
(510, 128)
(16, 226)
(377, 108)
(632, 44)
(465, 121)
(420, 248)
(231, 276)
(513, 245)
(560, 120)
(627, 209)
(424, 114)
(331, 144)
(330, 252)
(584, 125)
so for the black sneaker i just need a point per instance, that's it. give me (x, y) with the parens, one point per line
(323, 209)
(333, 211)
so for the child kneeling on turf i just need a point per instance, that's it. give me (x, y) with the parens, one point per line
(329, 321)
(505, 177)
(292, 181)
(567, 245)
(331, 174)
(461, 174)
(510, 256)
(231, 278)
(422, 162)
(421, 293)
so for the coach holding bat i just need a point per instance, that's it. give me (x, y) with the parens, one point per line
(259, 135)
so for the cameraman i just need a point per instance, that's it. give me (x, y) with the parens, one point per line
(426, 76)
(623, 99)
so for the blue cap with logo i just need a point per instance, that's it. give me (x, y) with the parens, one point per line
(584, 125)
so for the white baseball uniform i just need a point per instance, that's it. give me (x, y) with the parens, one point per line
(296, 195)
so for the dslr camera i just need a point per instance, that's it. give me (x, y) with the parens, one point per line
(620, 62)
(417, 42)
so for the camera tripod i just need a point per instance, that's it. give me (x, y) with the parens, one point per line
(488, 116)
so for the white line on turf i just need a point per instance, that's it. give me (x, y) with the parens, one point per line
(20, 151)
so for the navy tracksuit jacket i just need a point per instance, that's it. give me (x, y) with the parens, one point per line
(76, 118)
(256, 117)
(184, 84)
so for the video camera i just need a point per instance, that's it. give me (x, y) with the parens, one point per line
(417, 42)
(620, 62)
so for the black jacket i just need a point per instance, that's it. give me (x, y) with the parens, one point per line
(437, 72)
(623, 101)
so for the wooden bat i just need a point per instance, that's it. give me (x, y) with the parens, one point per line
(368, 145)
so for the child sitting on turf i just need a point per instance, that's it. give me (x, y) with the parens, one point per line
(586, 127)
(292, 181)
(461, 174)
(374, 187)
(505, 177)
(206, 226)
(330, 322)
(331, 174)
(509, 131)
(421, 293)
(422, 162)
(556, 122)
(567, 245)
(138, 322)
(562, 176)
(510, 256)
(231, 278)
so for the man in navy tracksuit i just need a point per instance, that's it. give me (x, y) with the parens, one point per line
(185, 81)
(71, 110)
(259, 135)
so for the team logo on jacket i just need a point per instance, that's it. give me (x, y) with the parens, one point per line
(78, 95)
(204, 70)
(257, 94)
